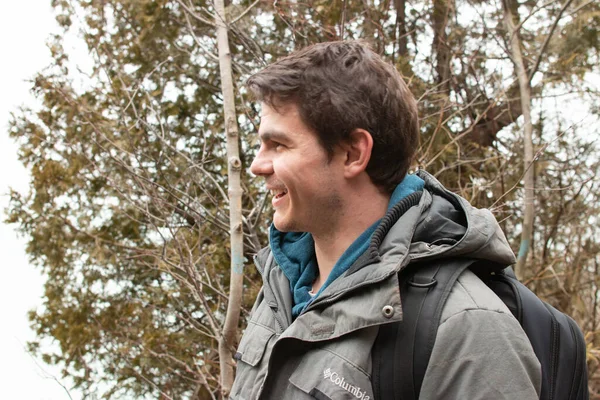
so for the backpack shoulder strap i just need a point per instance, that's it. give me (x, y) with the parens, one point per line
(400, 356)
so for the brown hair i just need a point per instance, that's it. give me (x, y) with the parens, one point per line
(342, 86)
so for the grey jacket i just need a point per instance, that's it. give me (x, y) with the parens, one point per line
(480, 352)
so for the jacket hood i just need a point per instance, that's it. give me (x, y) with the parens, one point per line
(449, 226)
(441, 225)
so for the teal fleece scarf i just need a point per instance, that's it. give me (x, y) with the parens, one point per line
(294, 252)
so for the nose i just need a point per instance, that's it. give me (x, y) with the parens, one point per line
(262, 165)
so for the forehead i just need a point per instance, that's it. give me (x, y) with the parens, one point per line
(280, 122)
(289, 110)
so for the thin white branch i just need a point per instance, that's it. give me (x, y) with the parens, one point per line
(244, 13)
(193, 14)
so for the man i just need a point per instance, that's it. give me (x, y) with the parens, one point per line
(338, 132)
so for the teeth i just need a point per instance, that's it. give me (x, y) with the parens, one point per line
(278, 192)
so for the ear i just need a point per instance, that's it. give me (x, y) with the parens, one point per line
(358, 152)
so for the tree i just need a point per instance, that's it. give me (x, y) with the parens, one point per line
(127, 211)
(227, 343)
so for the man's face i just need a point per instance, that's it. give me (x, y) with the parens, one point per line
(304, 183)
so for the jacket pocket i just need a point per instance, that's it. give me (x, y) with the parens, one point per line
(253, 344)
(254, 348)
(323, 375)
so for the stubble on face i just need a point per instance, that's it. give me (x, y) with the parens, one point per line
(321, 219)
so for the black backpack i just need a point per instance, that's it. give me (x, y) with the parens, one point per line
(556, 339)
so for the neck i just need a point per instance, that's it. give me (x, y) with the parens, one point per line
(360, 211)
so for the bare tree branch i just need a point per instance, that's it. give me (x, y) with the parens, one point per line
(545, 45)
(243, 14)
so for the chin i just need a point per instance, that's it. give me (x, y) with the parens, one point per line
(285, 225)
(280, 225)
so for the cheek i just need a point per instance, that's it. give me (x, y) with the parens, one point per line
(304, 172)
(293, 169)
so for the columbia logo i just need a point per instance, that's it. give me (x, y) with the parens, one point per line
(338, 380)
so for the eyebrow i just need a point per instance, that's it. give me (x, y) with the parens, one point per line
(274, 135)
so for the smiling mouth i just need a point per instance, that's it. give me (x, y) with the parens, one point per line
(277, 194)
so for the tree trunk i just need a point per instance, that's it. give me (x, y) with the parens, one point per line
(440, 16)
(525, 91)
(401, 31)
(228, 337)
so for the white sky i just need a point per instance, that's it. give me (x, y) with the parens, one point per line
(24, 28)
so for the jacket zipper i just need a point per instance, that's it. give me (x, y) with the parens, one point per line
(276, 316)
(274, 310)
